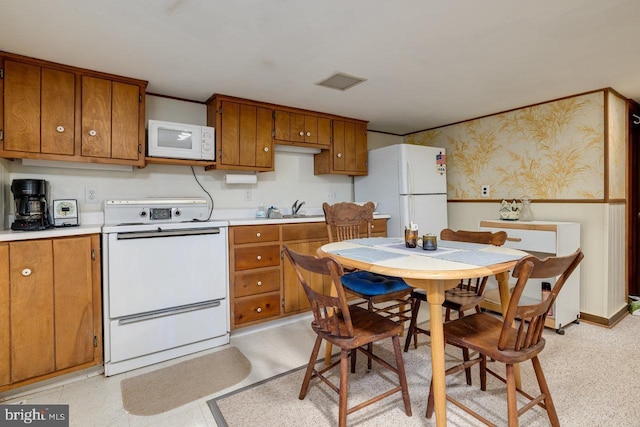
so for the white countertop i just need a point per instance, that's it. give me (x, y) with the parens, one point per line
(10, 235)
(92, 223)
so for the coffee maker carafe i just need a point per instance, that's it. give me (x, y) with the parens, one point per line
(31, 207)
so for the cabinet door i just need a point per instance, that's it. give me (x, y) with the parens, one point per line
(73, 309)
(349, 148)
(323, 132)
(32, 327)
(295, 298)
(339, 146)
(96, 117)
(22, 107)
(57, 126)
(125, 121)
(246, 136)
(5, 337)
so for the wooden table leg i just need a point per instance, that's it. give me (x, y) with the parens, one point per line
(435, 297)
(505, 296)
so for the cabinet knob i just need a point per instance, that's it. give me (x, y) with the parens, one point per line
(259, 257)
(26, 272)
(266, 149)
(301, 133)
(339, 155)
(308, 133)
(258, 310)
(60, 129)
(259, 282)
(258, 234)
(93, 132)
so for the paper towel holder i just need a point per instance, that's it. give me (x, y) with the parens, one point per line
(236, 178)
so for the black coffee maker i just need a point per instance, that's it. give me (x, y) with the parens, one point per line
(31, 207)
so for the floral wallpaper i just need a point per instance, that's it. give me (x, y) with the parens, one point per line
(553, 150)
(617, 109)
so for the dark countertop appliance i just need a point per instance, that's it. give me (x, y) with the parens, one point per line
(31, 206)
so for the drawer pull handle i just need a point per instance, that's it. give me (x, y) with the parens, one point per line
(258, 310)
(259, 283)
(514, 239)
(258, 234)
(259, 257)
(26, 272)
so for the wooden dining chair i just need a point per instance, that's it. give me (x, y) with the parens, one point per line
(467, 295)
(514, 339)
(351, 328)
(344, 221)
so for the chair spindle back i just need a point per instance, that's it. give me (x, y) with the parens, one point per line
(532, 317)
(344, 220)
(331, 313)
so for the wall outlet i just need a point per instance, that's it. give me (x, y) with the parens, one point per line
(247, 195)
(90, 195)
(331, 195)
(485, 191)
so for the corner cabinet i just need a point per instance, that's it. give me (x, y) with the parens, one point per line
(542, 239)
(348, 152)
(55, 112)
(244, 133)
(50, 308)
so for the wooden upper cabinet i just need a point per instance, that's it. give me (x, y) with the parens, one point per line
(40, 109)
(244, 133)
(51, 111)
(348, 153)
(302, 129)
(96, 117)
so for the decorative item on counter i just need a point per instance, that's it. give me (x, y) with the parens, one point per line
(429, 242)
(525, 209)
(274, 212)
(509, 211)
(411, 235)
(261, 212)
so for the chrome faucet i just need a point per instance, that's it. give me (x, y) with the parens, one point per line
(296, 207)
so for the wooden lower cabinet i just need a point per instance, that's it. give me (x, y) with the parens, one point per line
(50, 308)
(264, 287)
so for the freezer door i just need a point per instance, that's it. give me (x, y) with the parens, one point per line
(428, 211)
(421, 170)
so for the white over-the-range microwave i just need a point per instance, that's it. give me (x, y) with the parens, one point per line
(181, 141)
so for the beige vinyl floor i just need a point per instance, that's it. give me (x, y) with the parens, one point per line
(277, 347)
(95, 400)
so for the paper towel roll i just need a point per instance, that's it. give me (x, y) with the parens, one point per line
(232, 178)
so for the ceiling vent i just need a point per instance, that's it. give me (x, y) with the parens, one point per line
(341, 81)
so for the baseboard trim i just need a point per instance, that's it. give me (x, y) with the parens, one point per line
(603, 321)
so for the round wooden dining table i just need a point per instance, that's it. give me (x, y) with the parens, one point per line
(433, 271)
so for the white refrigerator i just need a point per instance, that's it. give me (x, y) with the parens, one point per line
(409, 182)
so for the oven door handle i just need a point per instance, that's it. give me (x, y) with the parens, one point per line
(166, 233)
(169, 312)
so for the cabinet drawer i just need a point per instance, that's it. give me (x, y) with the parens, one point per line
(256, 308)
(305, 231)
(257, 257)
(528, 240)
(256, 234)
(253, 283)
(378, 228)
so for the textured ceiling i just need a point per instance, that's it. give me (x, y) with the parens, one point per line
(427, 62)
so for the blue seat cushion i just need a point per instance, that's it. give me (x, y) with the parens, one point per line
(371, 284)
